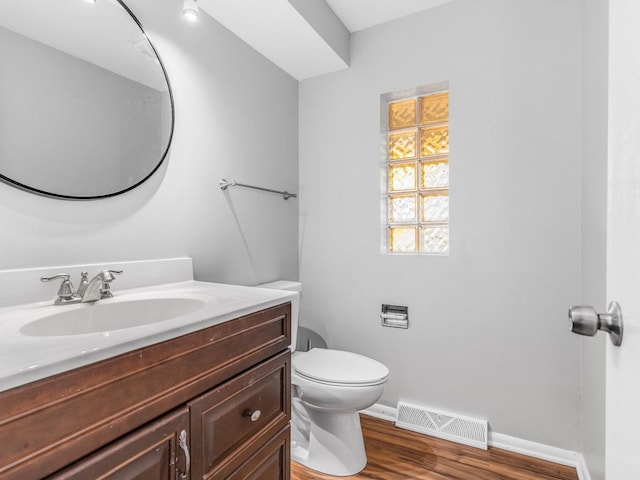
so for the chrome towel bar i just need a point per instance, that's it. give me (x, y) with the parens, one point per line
(224, 184)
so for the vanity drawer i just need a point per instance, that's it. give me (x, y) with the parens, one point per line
(229, 423)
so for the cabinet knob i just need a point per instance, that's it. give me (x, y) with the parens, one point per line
(254, 415)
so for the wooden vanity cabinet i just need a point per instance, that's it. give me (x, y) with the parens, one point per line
(227, 387)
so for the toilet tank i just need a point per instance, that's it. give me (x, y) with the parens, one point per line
(289, 286)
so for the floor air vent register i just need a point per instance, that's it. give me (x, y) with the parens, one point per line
(448, 426)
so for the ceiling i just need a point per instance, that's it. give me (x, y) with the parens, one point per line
(307, 38)
(360, 14)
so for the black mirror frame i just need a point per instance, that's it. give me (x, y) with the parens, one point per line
(162, 158)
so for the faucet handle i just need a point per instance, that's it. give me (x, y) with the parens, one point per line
(107, 278)
(66, 292)
(64, 276)
(107, 275)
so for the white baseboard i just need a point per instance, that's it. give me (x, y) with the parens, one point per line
(507, 442)
(533, 449)
(583, 472)
(381, 411)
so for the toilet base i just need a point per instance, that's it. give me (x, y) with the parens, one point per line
(335, 444)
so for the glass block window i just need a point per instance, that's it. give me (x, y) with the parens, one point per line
(415, 171)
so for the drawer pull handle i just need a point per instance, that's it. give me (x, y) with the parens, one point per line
(254, 415)
(182, 443)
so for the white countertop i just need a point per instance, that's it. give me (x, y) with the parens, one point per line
(25, 358)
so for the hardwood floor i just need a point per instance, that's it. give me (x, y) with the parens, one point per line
(397, 454)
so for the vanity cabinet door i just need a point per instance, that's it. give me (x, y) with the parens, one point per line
(271, 462)
(154, 452)
(230, 423)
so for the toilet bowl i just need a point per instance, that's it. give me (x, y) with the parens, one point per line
(329, 387)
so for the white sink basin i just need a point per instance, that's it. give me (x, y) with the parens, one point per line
(41, 339)
(110, 315)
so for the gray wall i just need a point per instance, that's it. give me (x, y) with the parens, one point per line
(488, 333)
(595, 42)
(236, 117)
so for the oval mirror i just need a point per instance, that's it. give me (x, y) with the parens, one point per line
(86, 109)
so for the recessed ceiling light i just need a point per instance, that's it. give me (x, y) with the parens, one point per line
(190, 10)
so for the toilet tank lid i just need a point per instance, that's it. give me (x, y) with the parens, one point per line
(283, 285)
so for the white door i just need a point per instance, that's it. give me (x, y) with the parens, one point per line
(623, 241)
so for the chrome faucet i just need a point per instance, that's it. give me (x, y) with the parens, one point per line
(97, 288)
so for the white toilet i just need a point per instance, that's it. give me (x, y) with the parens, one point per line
(329, 387)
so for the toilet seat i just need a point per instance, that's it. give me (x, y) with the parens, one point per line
(339, 368)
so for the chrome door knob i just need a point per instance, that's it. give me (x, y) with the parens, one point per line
(586, 321)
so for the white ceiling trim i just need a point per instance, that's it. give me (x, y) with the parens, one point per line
(279, 32)
(360, 14)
